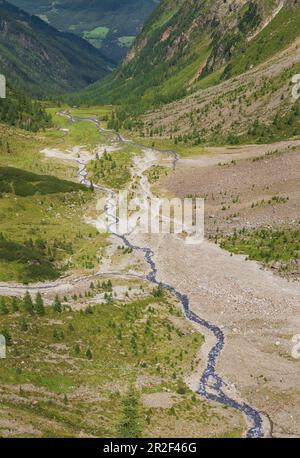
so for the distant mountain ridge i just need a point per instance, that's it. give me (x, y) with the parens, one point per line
(43, 60)
(110, 25)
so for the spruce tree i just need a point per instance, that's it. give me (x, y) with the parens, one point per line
(14, 305)
(130, 425)
(57, 307)
(27, 303)
(23, 325)
(39, 305)
(3, 307)
(89, 354)
(77, 349)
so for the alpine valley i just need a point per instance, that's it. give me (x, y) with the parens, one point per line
(120, 317)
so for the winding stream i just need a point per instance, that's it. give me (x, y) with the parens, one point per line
(211, 385)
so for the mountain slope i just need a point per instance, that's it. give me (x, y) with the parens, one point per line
(108, 24)
(47, 62)
(252, 100)
(20, 111)
(187, 44)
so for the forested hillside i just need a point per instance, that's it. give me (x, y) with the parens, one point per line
(20, 111)
(110, 25)
(42, 59)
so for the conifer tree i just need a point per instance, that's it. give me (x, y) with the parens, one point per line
(77, 349)
(89, 354)
(3, 307)
(24, 325)
(27, 303)
(57, 307)
(39, 305)
(14, 305)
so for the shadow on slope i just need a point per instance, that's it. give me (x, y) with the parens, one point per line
(23, 183)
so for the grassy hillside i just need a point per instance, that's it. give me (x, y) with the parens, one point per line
(110, 25)
(113, 369)
(45, 61)
(277, 35)
(266, 245)
(42, 211)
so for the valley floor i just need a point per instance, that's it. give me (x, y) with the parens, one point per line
(257, 310)
(258, 313)
(247, 190)
(164, 354)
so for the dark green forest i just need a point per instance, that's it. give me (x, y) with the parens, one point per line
(18, 110)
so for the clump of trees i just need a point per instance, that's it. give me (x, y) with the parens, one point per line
(26, 304)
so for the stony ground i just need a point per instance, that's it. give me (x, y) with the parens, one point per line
(257, 310)
(233, 105)
(258, 313)
(245, 187)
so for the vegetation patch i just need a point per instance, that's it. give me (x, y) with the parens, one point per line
(97, 33)
(96, 36)
(156, 172)
(266, 245)
(126, 41)
(21, 150)
(26, 261)
(112, 169)
(23, 183)
(285, 125)
(41, 215)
